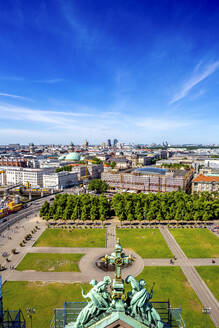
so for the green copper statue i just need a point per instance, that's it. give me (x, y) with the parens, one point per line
(99, 302)
(139, 305)
(102, 304)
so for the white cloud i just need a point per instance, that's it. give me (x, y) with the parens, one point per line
(64, 119)
(49, 81)
(14, 96)
(194, 80)
(159, 124)
(62, 127)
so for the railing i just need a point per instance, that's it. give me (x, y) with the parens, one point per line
(177, 316)
(170, 316)
(13, 319)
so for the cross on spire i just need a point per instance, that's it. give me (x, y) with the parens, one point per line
(118, 258)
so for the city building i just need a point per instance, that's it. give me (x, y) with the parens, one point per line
(20, 175)
(95, 170)
(60, 180)
(13, 161)
(205, 183)
(149, 180)
(121, 163)
(212, 163)
(115, 142)
(71, 147)
(86, 144)
(109, 143)
(31, 148)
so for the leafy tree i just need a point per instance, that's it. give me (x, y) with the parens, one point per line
(103, 207)
(96, 160)
(58, 213)
(113, 164)
(44, 209)
(98, 186)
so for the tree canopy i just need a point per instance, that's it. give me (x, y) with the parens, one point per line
(175, 205)
(64, 168)
(98, 185)
(76, 207)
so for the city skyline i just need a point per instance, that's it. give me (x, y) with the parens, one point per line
(143, 72)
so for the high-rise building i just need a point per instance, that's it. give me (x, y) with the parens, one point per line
(115, 141)
(71, 147)
(109, 143)
(31, 148)
(85, 144)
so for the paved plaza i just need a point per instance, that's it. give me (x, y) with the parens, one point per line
(11, 238)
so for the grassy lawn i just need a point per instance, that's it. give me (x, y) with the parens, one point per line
(210, 274)
(72, 238)
(197, 243)
(43, 297)
(171, 283)
(49, 262)
(147, 243)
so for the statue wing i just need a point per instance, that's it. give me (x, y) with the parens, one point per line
(134, 283)
(98, 299)
(140, 298)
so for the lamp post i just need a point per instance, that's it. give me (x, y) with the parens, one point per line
(30, 312)
(206, 310)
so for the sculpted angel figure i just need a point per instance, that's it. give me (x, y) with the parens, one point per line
(99, 301)
(139, 305)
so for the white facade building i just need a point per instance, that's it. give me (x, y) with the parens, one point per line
(60, 180)
(212, 163)
(20, 175)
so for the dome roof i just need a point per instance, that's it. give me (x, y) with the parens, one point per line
(73, 157)
(151, 170)
(62, 157)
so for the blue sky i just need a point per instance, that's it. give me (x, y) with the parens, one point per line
(139, 71)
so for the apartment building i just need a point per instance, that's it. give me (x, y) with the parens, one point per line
(205, 183)
(60, 180)
(95, 170)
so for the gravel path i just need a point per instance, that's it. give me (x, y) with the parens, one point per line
(199, 286)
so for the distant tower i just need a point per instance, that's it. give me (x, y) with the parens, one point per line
(103, 144)
(115, 141)
(71, 147)
(31, 148)
(86, 144)
(109, 143)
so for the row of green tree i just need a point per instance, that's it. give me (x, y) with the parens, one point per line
(176, 166)
(73, 207)
(175, 205)
(64, 168)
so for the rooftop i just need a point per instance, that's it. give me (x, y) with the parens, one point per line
(205, 178)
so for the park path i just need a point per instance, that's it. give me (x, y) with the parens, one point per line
(111, 235)
(201, 289)
(87, 266)
(180, 262)
(16, 236)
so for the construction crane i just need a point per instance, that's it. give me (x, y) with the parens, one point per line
(86, 176)
(4, 176)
